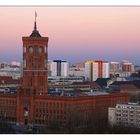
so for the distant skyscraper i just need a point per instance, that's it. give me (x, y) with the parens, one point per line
(89, 70)
(64, 68)
(105, 70)
(59, 68)
(121, 69)
(127, 66)
(96, 69)
(115, 67)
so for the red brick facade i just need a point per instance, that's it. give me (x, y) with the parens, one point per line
(35, 58)
(44, 109)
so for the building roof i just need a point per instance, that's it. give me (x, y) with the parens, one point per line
(102, 81)
(128, 103)
(59, 61)
(135, 75)
(35, 32)
(118, 83)
(86, 83)
(96, 93)
(8, 80)
(135, 82)
(130, 87)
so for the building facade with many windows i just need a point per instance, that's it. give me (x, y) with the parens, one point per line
(127, 114)
(58, 68)
(96, 69)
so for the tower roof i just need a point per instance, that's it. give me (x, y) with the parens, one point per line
(35, 32)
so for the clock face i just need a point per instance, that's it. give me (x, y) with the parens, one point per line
(31, 50)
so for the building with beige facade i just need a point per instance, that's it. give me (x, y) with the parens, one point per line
(126, 114)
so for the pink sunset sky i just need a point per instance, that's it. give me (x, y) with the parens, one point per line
(75, 33)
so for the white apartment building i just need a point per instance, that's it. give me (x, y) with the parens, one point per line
(88, 70)
(64, 69)
(58, 68)
(105, 70)
(96, 69)
(127, 114)
(53, 69)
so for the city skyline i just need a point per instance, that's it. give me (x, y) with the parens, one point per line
(75, 33)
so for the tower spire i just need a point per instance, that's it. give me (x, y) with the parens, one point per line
(35, 27)
(35, 32)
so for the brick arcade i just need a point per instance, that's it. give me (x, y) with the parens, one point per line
(33, 105)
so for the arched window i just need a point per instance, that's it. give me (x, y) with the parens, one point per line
(45, 49)
(30, 49)
(24, 49)
(40, 50)
(24, 63)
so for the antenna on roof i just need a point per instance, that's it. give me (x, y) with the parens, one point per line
(35, 15)
(35, 27)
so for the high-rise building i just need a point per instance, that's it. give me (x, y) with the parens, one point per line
(121, 69)
(127, 66)
(115, 67)
(89, 70)
(59, 68)
(103, 69)
(96, 69)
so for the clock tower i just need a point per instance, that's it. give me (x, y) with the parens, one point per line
(35, 76)
(35, 57)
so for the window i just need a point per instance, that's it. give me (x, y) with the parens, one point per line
(31, 80)
(24, 49)
(45, 49)
(24, 63)
(30, 49)
(46, 63)
(40, 50)
(36, 121)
